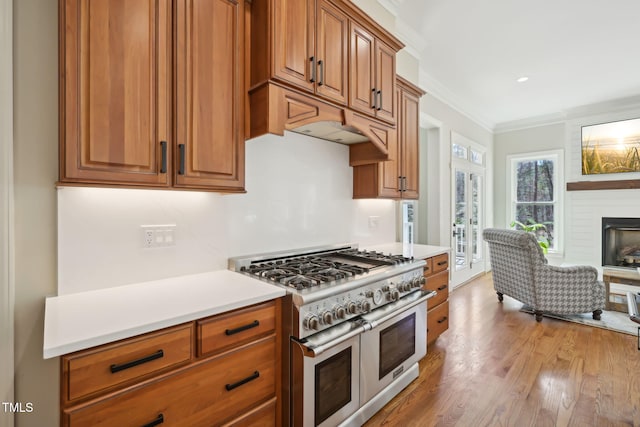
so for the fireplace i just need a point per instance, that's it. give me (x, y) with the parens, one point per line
(621, 242)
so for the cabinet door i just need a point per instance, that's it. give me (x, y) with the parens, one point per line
(332, 52)
(385, 81)
(361, 78)
(116, 91)
(409, 124)
(209, 94)
(390, 169)
(294, 42)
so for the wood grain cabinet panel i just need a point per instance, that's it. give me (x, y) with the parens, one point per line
(310, 47)
(209, 94)
(152, 93)
(440, 263)
(115, 91)
(206, 394)
(398, 177)
(332, 50)
(294, 42)
(118, 364)
(436, 274)
(437, 321)
(221, 332)
(232, 379)
(438, 282)
(372, 75)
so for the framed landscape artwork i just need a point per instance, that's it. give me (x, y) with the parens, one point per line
(611, 147)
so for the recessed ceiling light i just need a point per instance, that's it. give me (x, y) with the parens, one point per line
(522, 79)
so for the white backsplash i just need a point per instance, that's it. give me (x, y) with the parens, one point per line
(298, 195)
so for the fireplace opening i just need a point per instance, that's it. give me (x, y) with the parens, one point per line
(621, 242)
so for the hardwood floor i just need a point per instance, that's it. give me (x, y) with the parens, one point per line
(496, 366)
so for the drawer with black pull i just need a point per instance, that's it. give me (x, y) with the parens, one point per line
(121, 363)
(440, 283)
(440, 263)
(210, 392)
(224, 331)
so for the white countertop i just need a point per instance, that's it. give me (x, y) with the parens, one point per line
(418, 251)
(78, 321)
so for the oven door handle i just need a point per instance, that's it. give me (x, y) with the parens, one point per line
(392, 310)
(312, 349)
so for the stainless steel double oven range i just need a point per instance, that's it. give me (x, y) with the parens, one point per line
(356, 322)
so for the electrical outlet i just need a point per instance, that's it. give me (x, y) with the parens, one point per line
(158, 236)
(148, 236)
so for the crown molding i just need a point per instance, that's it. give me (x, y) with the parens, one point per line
(530, 122)
(631, 104)
(443, 94)
(610, 106)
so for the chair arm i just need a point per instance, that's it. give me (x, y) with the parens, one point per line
(568, 289)
(577, 273)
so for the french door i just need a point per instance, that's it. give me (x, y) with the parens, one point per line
(467, 222)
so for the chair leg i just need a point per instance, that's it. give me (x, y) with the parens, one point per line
(596, 314)
(500, 296)
(538, 314)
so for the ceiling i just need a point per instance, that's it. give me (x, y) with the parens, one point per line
(574, 52)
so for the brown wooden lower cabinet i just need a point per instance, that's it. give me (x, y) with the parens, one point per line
(235, 386)
(436, 273)
(437, 321)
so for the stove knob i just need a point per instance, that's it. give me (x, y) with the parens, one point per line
(366, 306)
(404, 286)
(327, 317)
(394, 295)
(352, 307)
(339, 311)
(312, 322)
(385, 288)
(417, 282)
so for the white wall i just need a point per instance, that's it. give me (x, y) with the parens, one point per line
(540, 138)
(299, 194)
(35, 111)
(450, 120)
(6, 210)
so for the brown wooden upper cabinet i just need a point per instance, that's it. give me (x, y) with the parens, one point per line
(152, 93)
(398, 177)
(311, 47)
(373, 72)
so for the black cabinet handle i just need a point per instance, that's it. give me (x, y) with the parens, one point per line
(313, 69)
(121, 367)
(375, 98)
(443, 262)
(442, 288)
(442, 320)
(242, 328)
(163, 166)
(379, 101)
(321, 65)
(181, 168)
(252, 377)
(159, 420)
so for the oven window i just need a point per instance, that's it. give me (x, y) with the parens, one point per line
(333, 385)
(397, 344)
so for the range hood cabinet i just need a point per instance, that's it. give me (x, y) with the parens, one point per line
(276, 108)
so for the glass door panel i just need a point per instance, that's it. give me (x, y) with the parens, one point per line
(460, 220)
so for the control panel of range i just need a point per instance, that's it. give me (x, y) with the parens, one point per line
(335, 309)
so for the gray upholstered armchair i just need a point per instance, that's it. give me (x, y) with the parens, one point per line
(520, 271)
